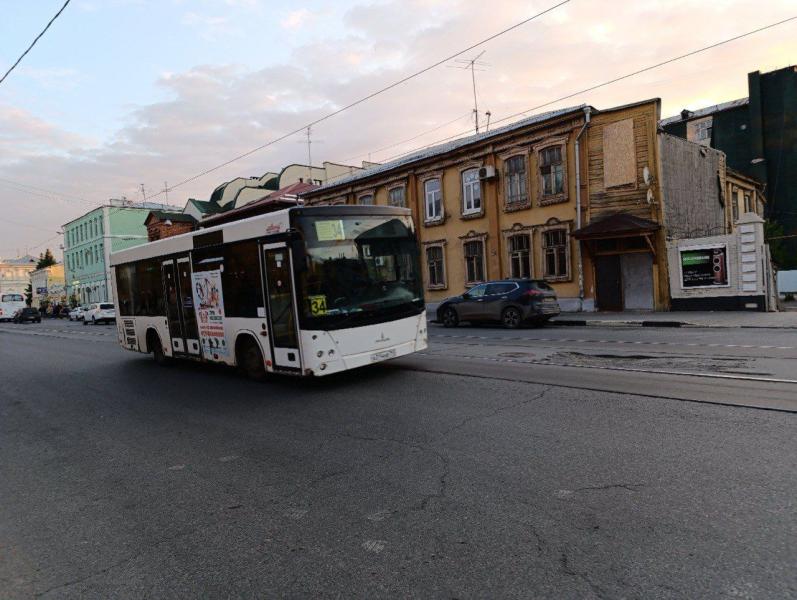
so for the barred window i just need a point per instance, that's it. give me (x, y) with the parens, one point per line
(474, 261)
(397, 197)
(552, 171)
(554, 248)
(519, 256)
(436, 266)
(515, 178)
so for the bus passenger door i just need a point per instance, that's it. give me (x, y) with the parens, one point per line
(283, 328)
(173, 306)
(189, 327)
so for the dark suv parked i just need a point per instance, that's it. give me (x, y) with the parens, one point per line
(24, 315)
(512, 302)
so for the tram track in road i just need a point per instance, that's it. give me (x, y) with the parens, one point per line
(771, 350)
(768, 393)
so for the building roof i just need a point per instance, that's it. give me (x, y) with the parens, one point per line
(20, 260)
(448, 147)
(704, 112)
(618, 224)
(281, 198)
(205, 207)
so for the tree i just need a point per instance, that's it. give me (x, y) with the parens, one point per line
(29, 295)
(779, 251)
(46, 260)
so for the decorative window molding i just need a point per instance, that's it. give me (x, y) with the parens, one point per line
(555, 243)
(397, 195)
(471, 203)
(551, 178)
(366, 198)
(434, 212)
(516, 180)
(474, 254)
(434, 253)
(520, 256)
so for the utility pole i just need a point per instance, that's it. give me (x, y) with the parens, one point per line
(166, 190)
(474, 64)
(143, 193)
(309, 141)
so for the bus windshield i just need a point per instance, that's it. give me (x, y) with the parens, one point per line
(358, 270)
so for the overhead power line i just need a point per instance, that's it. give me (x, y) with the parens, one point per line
(33, 43)
(44, 193)
(605, 83)
(366, 98)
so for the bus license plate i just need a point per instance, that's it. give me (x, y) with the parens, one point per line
(384, 355)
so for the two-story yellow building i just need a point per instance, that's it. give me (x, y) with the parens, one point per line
(512, 202)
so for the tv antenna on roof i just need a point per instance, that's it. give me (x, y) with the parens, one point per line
(474, 64)
(309, 141)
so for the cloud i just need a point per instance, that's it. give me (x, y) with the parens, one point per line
(210, 28)
(216, 111)
(296, 19)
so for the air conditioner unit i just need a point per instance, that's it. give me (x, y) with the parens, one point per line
(486, 172)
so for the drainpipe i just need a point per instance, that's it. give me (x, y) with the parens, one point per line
(579, 261)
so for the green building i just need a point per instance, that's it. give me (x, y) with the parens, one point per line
(89, 241)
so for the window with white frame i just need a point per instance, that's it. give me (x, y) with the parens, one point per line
(471, 192)
(474, 261)
(515, 180)
(552, 171)
(519, 255)
(436, 268)
(366, 200)
(396, 196)
(433, 200)
(554, 250)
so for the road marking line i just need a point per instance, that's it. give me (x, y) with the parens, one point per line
(375, 546)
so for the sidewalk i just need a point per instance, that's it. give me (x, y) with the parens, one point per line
(741, 319)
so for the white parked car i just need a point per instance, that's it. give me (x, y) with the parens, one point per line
(76, 314)
(100, 312)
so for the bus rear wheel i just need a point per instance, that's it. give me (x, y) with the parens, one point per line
(250, 360)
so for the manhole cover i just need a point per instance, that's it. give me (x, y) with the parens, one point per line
(516, 355)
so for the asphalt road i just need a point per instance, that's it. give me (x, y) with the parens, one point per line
(123, 479)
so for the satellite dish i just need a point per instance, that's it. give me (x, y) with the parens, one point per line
(646, 175)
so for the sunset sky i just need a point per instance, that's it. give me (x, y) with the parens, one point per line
(124, 92)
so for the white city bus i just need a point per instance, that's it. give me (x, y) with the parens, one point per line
(304, 291)
(9, 304)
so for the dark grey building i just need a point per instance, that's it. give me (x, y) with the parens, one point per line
(758, 134)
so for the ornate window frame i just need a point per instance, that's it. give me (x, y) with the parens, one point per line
(422, 180)
(473, 236)
(550, 225)
(476, 213)
(519, 229)
(364, 193)
(398, 185)
(523, 152)
(542, 199)
(442, 243)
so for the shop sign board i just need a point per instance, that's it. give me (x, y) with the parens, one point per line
(705, 266)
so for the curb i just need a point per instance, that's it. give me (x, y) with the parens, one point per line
(613, 323)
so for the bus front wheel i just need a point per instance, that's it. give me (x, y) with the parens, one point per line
(154, 344)
(250, 359)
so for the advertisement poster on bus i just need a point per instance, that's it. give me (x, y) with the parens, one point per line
(209, 303)
(704, 267)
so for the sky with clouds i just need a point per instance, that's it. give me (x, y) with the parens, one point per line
(124, 92)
